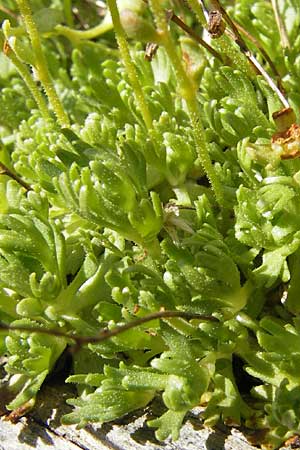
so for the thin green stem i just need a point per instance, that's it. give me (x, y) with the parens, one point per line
(78, 35)
(41, 63)
(196, 7)
(130, 67)
(28, 80)
(68, 13)
(263, 53)
(189, 93)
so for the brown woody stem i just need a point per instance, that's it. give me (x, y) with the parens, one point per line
(105, 334)
(4, 170)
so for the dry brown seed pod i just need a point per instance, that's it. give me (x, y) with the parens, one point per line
(293, 442)
(150, 51)
(287, 139)
(284, 118)
(216, 24)
(6, 47)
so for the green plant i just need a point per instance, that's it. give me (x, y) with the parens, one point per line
(157, 198)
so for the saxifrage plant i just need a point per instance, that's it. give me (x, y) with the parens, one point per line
(150, 189)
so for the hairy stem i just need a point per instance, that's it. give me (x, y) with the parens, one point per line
(41, 63)
(28, 80)
(189, 94)
(129, 66)
(196, 7)
(263, 53)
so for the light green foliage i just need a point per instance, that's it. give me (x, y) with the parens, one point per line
(16, 95)
(120, 220)
(31, 358)
(231, 106)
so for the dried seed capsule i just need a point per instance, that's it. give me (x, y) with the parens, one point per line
(150, 50)
(286, 141)
(293, 442)
(216, 24)
(284, 118)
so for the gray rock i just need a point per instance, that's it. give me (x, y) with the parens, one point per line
(42, 430)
